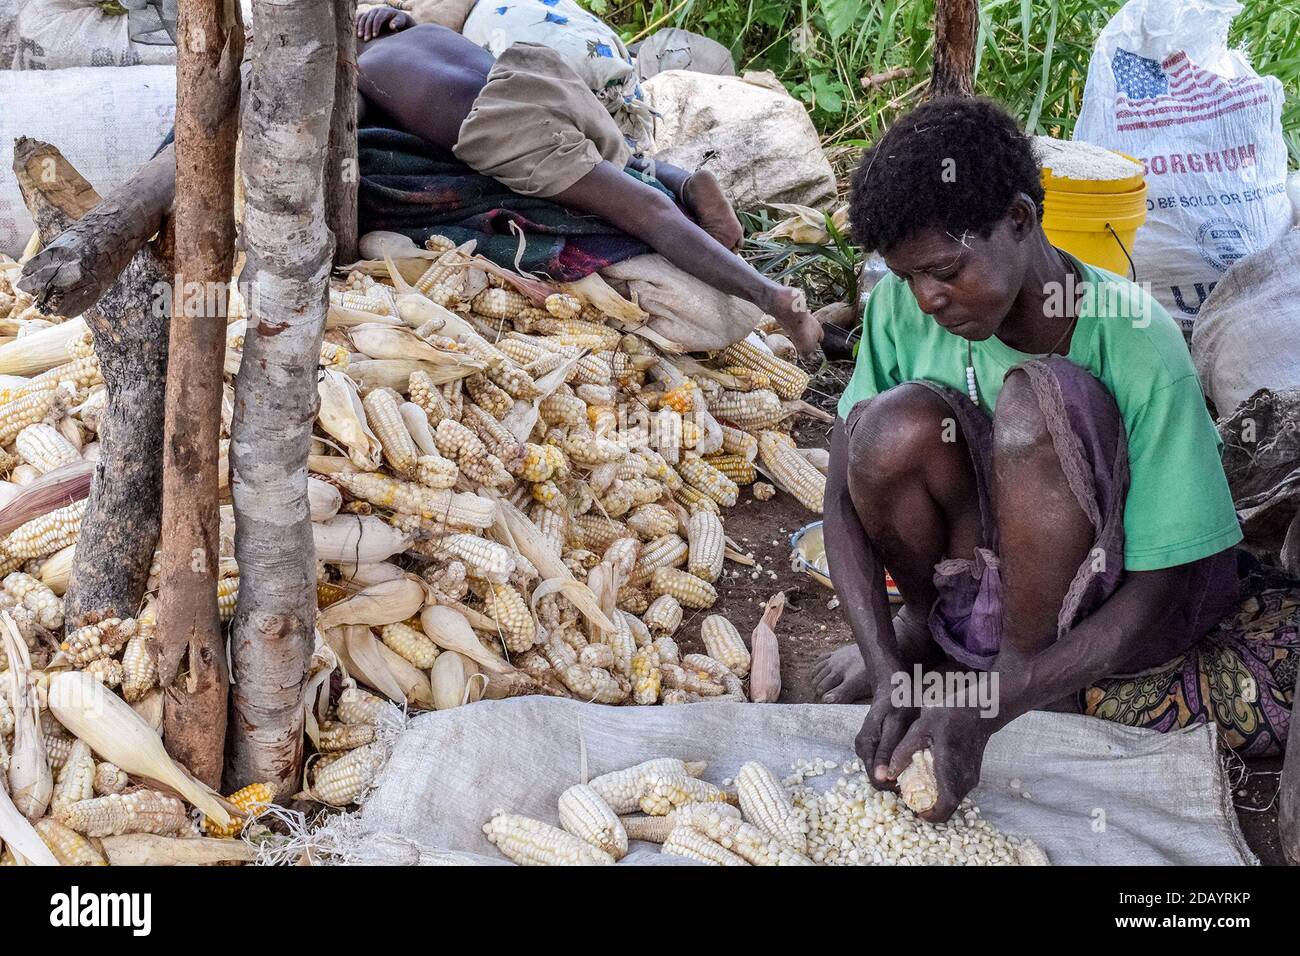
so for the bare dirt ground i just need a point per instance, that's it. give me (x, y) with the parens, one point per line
(809, 628)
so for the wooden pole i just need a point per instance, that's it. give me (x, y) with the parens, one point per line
(210, 46)
(1288, 814)
(69, 274)
(342, 177)
(120, 527)
(285, 128)
(956, 29)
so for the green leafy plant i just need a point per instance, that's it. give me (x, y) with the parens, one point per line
(1032, 54)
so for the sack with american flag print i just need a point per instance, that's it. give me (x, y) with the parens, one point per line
(1164, 87)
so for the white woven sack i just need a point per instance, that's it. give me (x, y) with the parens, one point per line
(62, 34)
(1164, 87)
(1247, 336)
(106, 122)
(8, 31)
(1099, 793)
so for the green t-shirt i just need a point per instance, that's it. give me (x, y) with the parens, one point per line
(1178, 508)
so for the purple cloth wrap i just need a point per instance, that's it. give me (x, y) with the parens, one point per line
(1088, 435)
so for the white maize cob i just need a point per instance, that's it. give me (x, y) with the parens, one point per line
(765, 804)
(689, 590)
(708, 545)
(621, 789)
(792, 471)
(662, 793)
(585, 814)
(917, 784)
(140, 811)
(690, 843)
(45, 448)
(723, 643)
(410, 644)
(530, 842)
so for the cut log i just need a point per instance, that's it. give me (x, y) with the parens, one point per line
(71, 272)
(129, 323)
(189, 627)
(956, 28)
(342, 176)
(285, 129)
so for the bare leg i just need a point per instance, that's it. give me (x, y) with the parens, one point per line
(916, 500)
(709, 205)
(1044, 536)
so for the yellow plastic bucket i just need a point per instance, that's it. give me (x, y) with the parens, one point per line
(1095, 220)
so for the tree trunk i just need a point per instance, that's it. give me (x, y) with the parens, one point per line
(71, 272)
(341, 173)
(285, 126)
(210, 46)
(1288, 816)
(956, 28)
(129, 322)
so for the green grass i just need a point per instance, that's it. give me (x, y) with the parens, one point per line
(1033, 54)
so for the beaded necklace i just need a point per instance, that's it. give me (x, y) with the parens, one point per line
(972, 387)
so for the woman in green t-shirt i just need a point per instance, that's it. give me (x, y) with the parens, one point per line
(1023, 444)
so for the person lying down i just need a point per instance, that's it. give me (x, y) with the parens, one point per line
(527, 121)
(1024, 445)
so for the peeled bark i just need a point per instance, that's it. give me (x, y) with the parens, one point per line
(956, 28)
(342, 176)
(129, 322)
(285, 128)
(189, 627)
(71, 272)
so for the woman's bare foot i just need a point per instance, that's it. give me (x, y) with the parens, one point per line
(708, 204)
(840, 677)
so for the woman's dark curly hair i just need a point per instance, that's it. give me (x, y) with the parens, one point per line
(956, 163)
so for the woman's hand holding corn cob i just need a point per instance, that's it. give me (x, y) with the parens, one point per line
(956, 737)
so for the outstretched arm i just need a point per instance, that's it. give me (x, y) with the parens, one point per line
(859, 579)
(646, 213)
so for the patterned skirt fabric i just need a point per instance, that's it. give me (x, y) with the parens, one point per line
(1241, 675)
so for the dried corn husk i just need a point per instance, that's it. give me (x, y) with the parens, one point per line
(117, 734)
(20, 836)
(40, 351)
(343, 418)
(396, 373)
(30, 782)
(384, 603)
(765, 666)
(450, 678)
(56, 570)
(364, 575)
(449, 629)
(380, 244)
(395, 342)
(323, 499)
(413, 681)
(359, 539)
(146, 849)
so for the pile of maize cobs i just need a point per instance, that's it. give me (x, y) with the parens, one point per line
(515, 488)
